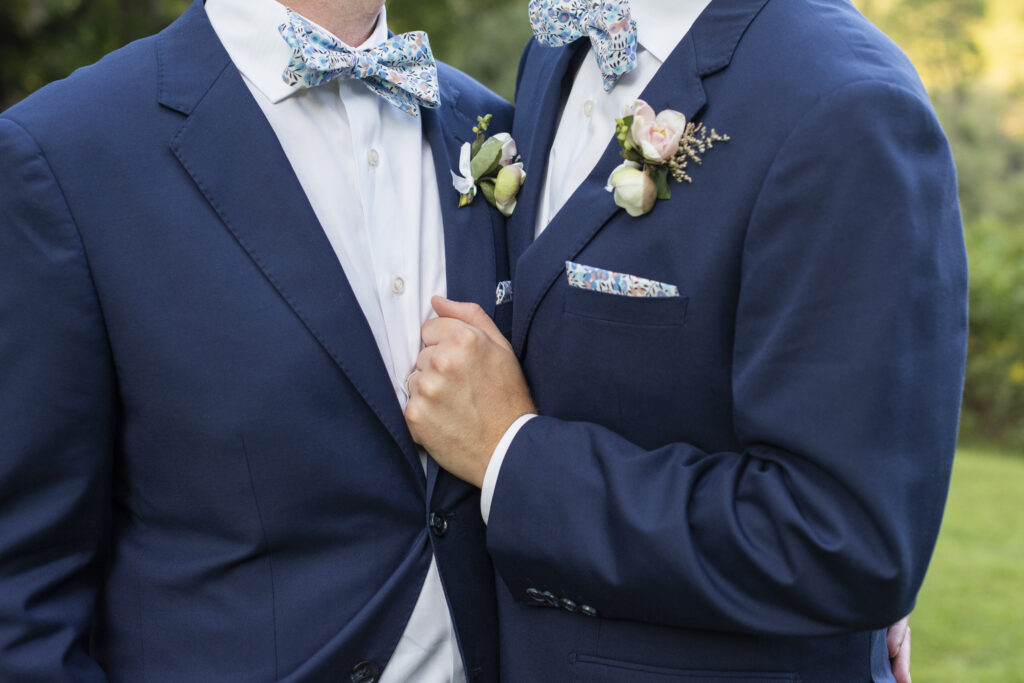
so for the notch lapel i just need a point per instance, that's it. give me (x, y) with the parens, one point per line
(707, 49)
(468, 232)
(677, 85)
(536, 119)
(236, 161)
(470, 267)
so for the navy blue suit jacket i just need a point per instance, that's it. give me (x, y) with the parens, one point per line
(744, 482)
(204, 472)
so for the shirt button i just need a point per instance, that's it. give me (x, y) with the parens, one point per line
(398, 285)
(373, 156)
(588, 108)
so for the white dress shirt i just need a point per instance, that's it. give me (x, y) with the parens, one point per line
(368, 173)
(586, 126)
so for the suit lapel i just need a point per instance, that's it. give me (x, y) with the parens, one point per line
(468, 238)
(538, 105)
(235, 159)
(678, 84)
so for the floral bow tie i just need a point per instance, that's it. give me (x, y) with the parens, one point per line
(401, 70)
(607, 23)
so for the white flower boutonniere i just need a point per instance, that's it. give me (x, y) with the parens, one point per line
(655, 147)
(492, 165)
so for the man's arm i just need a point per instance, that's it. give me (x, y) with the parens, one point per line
(56, 425)
(847, 372)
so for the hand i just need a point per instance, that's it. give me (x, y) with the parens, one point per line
(466, 391)
(898, 640)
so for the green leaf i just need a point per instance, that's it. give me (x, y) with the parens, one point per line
(487, 189)
(631, 155)
(659, 174)
(487, 160)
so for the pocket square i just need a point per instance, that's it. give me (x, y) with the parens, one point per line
(610, 282)
(503, 295)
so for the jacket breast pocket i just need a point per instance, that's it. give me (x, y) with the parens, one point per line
(589, 669)
(625, 310)
(612, 357)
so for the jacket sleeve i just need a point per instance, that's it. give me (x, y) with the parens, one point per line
(56, 426)
(847, 373)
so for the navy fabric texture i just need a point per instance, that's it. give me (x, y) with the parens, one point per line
(204, 472)
(745, 482)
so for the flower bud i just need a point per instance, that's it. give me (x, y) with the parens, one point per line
(506, 187)
(633, 189)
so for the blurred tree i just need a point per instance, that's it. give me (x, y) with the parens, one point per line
(43, 40)
(483, 39)
(937, 34)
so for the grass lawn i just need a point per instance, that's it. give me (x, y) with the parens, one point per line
(969, 620)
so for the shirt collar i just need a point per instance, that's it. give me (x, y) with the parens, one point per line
(661, 24)
(249, 31)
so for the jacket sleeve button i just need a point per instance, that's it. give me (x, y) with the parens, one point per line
(588, 610)
(569, 605)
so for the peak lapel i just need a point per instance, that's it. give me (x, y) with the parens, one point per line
(235, 159)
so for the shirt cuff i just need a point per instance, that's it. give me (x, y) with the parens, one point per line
(498, 457)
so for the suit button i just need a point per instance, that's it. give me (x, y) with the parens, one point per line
(438, 523)
(550, 598)
(569, 605)
(588, 610)
(535, 595)
(365, 672)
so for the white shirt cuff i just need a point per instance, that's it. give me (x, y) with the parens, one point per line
(498, 457)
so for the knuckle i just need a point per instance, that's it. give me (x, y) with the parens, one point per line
(414, 411)
(463, 337)
(442, 363)
(430, 386)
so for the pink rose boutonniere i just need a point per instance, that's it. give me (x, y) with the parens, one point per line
(655, 147)
(492, 166)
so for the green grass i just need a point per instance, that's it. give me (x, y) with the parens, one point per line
(969, 620)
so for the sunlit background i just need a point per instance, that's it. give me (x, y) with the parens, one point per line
(968, 625)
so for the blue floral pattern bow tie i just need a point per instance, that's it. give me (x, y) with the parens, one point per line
(401, 70)
(608, 24)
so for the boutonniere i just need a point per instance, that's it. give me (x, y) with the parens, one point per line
(655, 147)
(491, 165)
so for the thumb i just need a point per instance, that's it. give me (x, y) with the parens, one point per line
(471, 314)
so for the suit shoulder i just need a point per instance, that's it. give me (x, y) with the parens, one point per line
(91, 95)
(471, 98)
(819, 46)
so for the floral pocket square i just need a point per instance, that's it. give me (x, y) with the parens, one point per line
(610, 282)
(503, 294)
